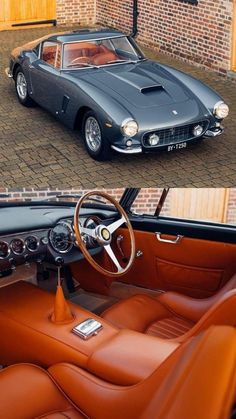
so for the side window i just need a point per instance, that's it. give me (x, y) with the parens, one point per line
(217, 205)
(51, 54)
(201, 204)
(36, 49)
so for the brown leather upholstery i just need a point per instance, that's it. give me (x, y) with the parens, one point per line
(27, 392)
(25, 313)
(174, 316)
(197, 380)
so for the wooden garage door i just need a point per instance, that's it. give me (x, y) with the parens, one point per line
(208, 204)
(23, 11)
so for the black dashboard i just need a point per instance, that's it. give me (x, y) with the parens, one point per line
(41, 233)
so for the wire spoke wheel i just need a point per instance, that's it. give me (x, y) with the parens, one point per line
(93, 135)
(21, 85)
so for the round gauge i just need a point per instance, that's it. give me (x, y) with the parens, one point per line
(4, 250)
(17, 246)
(32, 243)
(92, 221)
(61, 237)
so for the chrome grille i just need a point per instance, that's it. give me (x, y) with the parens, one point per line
(175, 135)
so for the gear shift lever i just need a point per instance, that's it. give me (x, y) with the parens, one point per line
(61, 313)
(59, 261)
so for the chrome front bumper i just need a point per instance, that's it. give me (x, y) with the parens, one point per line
(8, 73)
(214, 132)
(128, 150)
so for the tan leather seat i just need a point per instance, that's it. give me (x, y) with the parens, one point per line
(197, 380)
(174, 316)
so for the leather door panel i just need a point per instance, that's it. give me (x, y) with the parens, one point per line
(194, 267)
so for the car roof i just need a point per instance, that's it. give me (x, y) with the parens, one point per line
(84, 35)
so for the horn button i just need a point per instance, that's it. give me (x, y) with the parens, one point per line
(103, 235)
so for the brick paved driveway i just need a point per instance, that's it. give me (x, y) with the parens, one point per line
(36, 150)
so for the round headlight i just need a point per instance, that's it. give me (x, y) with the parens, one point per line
(129, 128)
(153, 140)
(221, 110)
(197, 130)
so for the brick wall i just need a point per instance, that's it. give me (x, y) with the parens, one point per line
(76, 11)
(199, 34)
(145, 202)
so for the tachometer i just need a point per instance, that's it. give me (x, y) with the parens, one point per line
(17, 246)
(4, 249)
(61, 237)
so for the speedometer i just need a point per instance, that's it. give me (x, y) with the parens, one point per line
(61, 237)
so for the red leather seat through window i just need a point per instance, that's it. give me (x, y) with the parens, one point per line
(104, 58)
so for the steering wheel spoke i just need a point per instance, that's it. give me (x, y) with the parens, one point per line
(88, 231)
(114, 226)
(113, 257)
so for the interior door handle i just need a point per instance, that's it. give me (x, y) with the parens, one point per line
(175, 241)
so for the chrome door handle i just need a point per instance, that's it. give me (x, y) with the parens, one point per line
(175, 241)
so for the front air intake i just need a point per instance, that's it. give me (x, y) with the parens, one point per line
(153, 88)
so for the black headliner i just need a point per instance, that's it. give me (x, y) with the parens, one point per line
(84, 35)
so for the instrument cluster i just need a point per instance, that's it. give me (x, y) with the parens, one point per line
(17, 246)
(62, 236)
(45, 244)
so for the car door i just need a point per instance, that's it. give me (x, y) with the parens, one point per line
(192, 257)
(195, 257)
(45, 77)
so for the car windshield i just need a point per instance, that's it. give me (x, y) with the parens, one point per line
(100, 52)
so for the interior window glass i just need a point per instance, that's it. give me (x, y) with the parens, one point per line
(216, 205)
(51, 53)
(147, 200)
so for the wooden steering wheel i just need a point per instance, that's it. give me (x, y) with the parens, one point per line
(102, 234)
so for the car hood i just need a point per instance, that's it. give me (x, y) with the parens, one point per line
(147, 88)
(143, 85)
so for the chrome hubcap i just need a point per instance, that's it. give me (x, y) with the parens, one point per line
(93, 134)
(21, 85)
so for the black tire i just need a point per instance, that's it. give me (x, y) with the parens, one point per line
(103, 152)
(25, 100)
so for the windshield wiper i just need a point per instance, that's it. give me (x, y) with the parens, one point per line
(122, 61)
(80, 64)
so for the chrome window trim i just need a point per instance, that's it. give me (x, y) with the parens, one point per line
(58, 44)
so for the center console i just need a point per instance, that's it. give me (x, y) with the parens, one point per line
(29, 335)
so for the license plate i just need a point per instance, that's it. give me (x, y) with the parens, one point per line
(177, 146)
